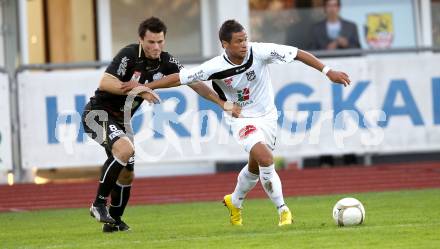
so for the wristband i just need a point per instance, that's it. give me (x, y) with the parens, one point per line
(325, 70)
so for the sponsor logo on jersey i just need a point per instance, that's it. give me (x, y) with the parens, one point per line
(277, 56)
(122, 69)
(197, 76)
(251, 75)
(243, 95)
(228, 82)
(175, 61)
(157, 76)
(246, 131)
(239, 70)
(115, 134)
(136, 76)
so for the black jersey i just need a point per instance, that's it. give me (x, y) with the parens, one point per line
(131, 64)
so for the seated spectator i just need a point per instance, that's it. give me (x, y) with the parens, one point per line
(334, 32)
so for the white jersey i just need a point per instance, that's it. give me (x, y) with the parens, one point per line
(249, 84)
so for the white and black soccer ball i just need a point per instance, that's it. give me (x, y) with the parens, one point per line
(348, 212)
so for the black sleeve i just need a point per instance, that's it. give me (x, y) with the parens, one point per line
(122, 64)
(174, 65)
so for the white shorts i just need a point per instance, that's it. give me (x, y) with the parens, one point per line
(249, 131)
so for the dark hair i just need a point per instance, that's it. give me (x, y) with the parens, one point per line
(303, 4)
(326, 1)
(227, 28)
(153, 24)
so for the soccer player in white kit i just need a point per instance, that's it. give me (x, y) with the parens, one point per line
(240, 75)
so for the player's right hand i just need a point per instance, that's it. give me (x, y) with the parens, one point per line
(146, 93)
(232, 108)
(130, 85)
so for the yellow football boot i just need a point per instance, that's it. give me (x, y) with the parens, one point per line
(285, 218)
(235, 213)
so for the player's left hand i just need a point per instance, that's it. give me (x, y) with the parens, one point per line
(151, 97)
(339, 77)
(130, 85)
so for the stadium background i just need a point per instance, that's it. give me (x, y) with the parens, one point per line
(52, 53)
(377, 140)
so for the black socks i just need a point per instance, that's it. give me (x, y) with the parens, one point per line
(109, 174)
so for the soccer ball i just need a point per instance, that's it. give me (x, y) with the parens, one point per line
(348, 212)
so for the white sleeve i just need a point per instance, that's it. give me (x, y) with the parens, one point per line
(199, 73)
(194, 74)
(275, 53)
(188, 76)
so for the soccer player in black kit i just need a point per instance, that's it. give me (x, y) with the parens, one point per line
(103, 117)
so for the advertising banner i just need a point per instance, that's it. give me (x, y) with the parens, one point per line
(393, 105)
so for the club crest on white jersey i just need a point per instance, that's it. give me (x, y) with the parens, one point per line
(248, 84)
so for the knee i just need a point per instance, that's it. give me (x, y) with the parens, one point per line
(126, 177)
(261, 154)
(123, 154)
(265, 160)
(123, 150)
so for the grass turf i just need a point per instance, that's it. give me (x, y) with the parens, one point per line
(404, 219)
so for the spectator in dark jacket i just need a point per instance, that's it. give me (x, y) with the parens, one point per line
(334, 32)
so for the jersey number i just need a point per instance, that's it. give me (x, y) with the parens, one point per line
(113, 127)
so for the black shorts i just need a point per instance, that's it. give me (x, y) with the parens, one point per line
(104, 129)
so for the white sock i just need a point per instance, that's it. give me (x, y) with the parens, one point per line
(272, 185)
(245, 182)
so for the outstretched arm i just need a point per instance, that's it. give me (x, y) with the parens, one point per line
(171, 80)
(203, 90)
(310, 60)
(111, 84)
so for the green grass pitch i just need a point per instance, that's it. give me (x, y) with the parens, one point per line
(404, 219)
